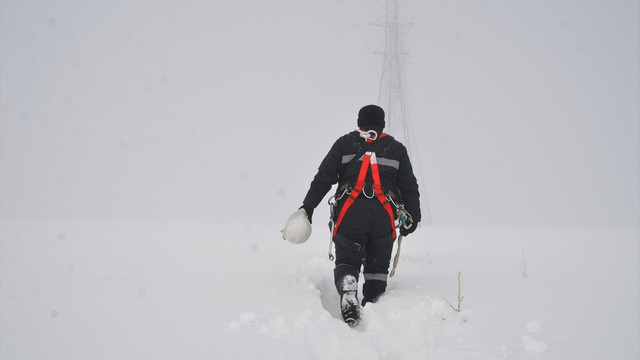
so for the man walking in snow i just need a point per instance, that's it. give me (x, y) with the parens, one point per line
(376, 187)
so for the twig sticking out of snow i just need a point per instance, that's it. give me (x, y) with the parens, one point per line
(524, 266)
(459, 297)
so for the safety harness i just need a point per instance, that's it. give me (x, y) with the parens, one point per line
(369, 160)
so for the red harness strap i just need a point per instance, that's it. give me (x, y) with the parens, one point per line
(369, 158)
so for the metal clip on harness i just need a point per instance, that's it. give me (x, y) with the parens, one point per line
(332, 224)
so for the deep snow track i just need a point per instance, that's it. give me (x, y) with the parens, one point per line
(402, 325)
(406, 323)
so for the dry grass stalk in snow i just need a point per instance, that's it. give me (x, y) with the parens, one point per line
(459, 296)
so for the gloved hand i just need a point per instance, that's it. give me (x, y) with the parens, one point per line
(411, 227)
(309, 212)
(405, 232)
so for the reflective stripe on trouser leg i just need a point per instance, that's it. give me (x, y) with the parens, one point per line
(374, 286)
(379, 277)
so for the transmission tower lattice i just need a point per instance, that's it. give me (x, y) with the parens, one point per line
(392, 92)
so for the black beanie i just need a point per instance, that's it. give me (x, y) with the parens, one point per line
(371, 115)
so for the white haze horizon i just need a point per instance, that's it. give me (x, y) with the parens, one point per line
(525, 114)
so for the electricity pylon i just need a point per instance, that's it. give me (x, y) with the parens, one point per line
(391, 96)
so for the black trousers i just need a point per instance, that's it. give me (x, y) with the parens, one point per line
(365, 238)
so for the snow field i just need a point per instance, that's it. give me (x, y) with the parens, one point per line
(118, 290)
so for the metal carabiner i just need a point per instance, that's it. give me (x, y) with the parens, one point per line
(373, 193)
(390, 199)
(346, 190)
(332, 224)
(369, 135)
(405, 220)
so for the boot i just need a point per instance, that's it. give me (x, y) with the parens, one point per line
(372, 289)
(349, 303)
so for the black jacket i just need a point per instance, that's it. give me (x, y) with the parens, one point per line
(396, 173)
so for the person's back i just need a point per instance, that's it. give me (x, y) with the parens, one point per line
(376, 185)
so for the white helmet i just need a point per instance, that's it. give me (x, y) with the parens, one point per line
(298, 228)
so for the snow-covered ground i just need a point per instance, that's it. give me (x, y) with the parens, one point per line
(118, 290)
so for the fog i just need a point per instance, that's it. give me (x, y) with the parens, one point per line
(526, 113)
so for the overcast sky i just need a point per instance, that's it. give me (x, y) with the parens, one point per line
(525, 113)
